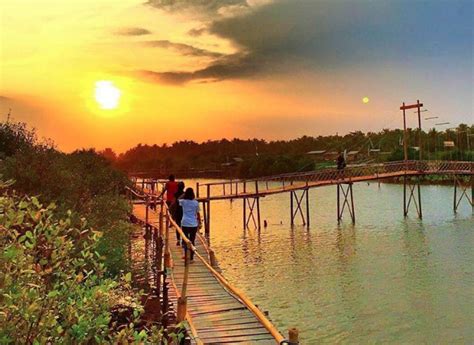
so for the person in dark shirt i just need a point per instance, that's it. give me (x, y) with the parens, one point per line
(171, 187)
(340, 161)
(177, 210)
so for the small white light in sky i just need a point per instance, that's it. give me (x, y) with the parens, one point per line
(365, 100)
(107, 94)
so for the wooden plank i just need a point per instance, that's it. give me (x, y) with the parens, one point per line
(226, 340)
(230, 327)
(233, 333)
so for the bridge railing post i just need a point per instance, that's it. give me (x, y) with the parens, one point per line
(183, 299)
(147, 207)
(167, 255)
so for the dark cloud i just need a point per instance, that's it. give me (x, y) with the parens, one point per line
(197, 32)
(132, 32)
(228, 67)
(183, 49)
(196, 6)
(330, 33)
(289, 35)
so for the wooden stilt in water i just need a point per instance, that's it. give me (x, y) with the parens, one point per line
(293, 336)
(212, 258)
(147, 206)
(207, 221)
(244, 209)
(463, 193)
(307, 205)
(292, 221)
(472, 191)
(405, 211)
(410, 187)
(338, 203)
(258, 206)
(420, 210)
(347, 193)
(352, 205)
(455, 199)
(297, 208)
(253, 207)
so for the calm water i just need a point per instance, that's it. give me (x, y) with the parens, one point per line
(385, 280)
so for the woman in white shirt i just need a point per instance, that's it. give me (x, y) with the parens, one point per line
(191, 218)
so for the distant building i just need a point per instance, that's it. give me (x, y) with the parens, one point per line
(353, 156)
(330, 155)
(317, 155)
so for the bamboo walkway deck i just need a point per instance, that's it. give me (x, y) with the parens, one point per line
(215, 314)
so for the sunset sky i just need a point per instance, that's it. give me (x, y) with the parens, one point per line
(103, 73)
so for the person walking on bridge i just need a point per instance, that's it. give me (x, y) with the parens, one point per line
(340, 161)
(191, 220)
(171, 187)
(176, 210)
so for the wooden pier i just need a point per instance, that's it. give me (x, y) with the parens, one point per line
(214, 311)
(298, 185)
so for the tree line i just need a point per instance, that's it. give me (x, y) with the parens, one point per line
(257, 157)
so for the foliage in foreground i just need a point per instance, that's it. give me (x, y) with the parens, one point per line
(52, 283)
(82, 181)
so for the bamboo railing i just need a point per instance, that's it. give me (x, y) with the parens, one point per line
(242, 187)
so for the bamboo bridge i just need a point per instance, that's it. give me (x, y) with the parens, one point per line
(216, 312)
(213, 310)
(298, 185)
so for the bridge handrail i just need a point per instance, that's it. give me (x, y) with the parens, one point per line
(334, 174)
(166, 215)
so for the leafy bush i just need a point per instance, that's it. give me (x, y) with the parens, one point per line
(82, 181)
(53, 287)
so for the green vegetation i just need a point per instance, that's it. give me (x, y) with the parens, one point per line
(53, 283)
(82, 182)
(64, 234)
(249, 158)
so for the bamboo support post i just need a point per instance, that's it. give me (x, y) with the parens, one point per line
(307, 205)
(292, 221)
(293, 336)
(455, 194)
(258, 205)
(158, 263)
(147, 205)
(167, 255)
(420, 210)
(183, 299)
(212, 258)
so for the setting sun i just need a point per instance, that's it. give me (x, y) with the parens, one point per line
(107, 94)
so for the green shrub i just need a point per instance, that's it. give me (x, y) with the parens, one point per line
(83, 182)
(53, 287)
